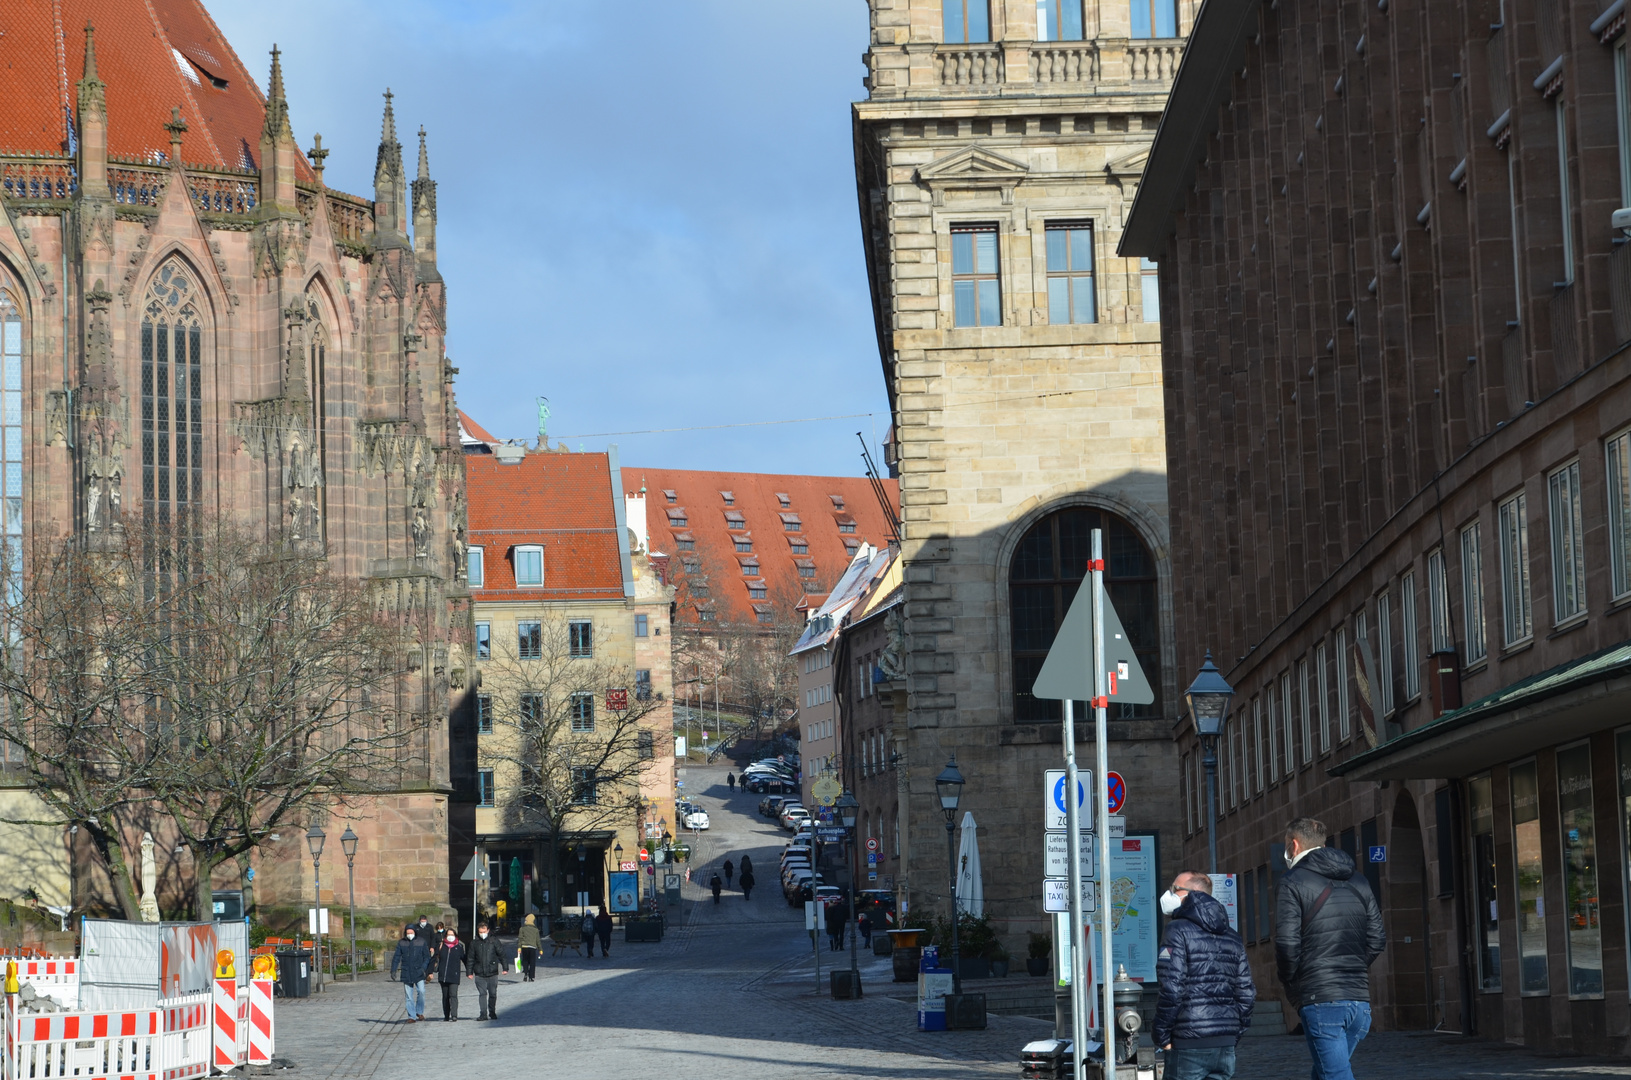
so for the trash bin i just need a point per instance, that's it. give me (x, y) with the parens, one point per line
(294, 973)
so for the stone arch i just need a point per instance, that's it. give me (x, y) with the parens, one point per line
(1150, 528)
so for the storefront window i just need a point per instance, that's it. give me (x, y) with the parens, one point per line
(1481, 803)
(1533, 975)
(1580, 871)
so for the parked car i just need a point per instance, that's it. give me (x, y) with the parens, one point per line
(881, 903)
(797, 851)
(802, 889)
(771, 805)
(696, 819)
(791, 811)
(759, 783)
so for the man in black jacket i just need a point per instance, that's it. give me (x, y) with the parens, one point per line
(487, 961)
(1206, 998)
(1328, 932)
(412, 960)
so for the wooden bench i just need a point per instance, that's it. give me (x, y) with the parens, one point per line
(564, 940)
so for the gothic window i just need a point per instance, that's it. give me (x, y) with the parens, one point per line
(11, 441)
(1047, 568)
(317, 356)
(172, 417)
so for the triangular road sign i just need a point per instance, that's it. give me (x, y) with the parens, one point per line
(1067, 672)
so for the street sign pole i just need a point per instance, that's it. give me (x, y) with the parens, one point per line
(1078, 997)
(1101, 701)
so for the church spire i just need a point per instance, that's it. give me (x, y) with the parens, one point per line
(93, 123)
(277, 147)
(424, 217)
(390, 184)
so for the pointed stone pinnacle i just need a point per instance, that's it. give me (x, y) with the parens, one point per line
(424, 159)
(277, 105)
(387, 131)
(90, 53)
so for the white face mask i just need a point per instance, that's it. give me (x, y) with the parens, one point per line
(1171, 902)
(484, 935)
(410, 935)
(1291, 858)
(451, 940)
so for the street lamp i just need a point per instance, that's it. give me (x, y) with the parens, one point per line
(1208, 699)
(314, 841)
(583, 869)
(949, 786)
(348, 842)
(846, 806)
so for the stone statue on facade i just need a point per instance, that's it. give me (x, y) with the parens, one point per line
(302, 476)
(150, 881)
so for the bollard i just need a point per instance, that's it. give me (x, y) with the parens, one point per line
(261, 1039)
(226, 1013)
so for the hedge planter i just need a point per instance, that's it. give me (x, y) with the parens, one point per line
(1036, 966)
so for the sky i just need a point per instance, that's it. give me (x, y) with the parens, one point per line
(646, 209)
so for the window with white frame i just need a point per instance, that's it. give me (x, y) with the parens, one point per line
(1410, 635)
(1384, 651)
(1568, 543)
(474, 570)
(1322, 691)
(1472, 592)
(484, 641)
(1438, 603)
(1344, 721)
(1516, 616)
(1059, 20)
(529, 640)
(976, 291)
(1304, 679)
(584, 785)
(529, 565)
(1617, 453)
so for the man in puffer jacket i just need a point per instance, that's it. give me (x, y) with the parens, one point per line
(1328, 932)
(1206, 998)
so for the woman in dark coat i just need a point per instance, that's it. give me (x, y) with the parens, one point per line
(603, 930)
(450, 965)
(746, 881)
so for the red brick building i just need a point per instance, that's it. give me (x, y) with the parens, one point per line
(185, 304)
(1396, 300)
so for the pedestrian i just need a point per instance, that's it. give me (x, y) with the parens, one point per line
(587, 930)
(487, 962)
(715, 884)
(1328, 933)
(730, 782)
(410, 962)
(603, 927)
(729, 870)
(863, 924)
(437, 944)
(423, 931)
(746, 881)
(747, 865)
(1206, 990)
(529, 941)
(836, 916)
(449, 970)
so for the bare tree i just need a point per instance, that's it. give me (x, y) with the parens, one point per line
(233, 685)
(570, 733)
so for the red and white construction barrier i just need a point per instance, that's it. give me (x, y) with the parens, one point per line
(124, 1045)
(51, 977)
(226, 1025)
(260, 1022)
(188, 1036)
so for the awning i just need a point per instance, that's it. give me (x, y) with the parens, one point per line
(1564, 703)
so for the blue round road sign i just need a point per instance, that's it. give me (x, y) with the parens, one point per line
(1059, 795)
(1118, 792)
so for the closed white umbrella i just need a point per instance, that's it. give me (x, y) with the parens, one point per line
(970, 886)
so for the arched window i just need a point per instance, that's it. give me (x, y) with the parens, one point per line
(11, 437)
(317, 341)
(172, 399)
(1048, 567)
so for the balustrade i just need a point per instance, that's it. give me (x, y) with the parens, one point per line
(1153, 61)
(32, 178)
(216, 194)
(136, 185)
(969, 65)
(351, 218)
(1064, 62)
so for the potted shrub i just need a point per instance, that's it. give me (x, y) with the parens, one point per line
(1037, 953)
(999, 960)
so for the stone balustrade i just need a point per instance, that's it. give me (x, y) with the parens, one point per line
(969, 65)
(1064, 62)
(30, 179)
(229, 194)
(1154, 61)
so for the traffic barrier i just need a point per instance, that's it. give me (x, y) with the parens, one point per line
(53, 977)
(126, 1045)
(226, 1025)
(188, 1035)
(260, 1022)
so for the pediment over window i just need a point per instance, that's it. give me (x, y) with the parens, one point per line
(1132, 165)
(973, 168)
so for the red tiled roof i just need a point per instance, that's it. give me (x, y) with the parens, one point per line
(475, 429)
(42, 57)
(756, 499)
(561, 501)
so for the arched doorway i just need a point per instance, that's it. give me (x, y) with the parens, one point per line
(1404, 912)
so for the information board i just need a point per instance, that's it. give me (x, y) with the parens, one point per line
(1226, 891)
(624, 891)
(1133, 898)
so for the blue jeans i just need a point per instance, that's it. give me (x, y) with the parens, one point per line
(415, 993)
(1201, 1063)
(1333, 1029)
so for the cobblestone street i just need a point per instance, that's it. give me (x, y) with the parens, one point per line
(730, 993)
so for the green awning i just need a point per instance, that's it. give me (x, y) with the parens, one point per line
(1555, 706)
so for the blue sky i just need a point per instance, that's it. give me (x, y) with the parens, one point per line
(647, 209)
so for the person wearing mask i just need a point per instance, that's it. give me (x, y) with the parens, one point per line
(729, 869)
(746, 881)
(603, 927)
(1206, 990)
(450, 964)
(410, 962)
(863, 924)
(1328, 933)
(486, 963)
(716, 885)
(529, 941)
(423, 930)
(730, 782)
(587, 929)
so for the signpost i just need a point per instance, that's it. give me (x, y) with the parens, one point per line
(1056, 895)
(1056, 855)
(827, 789)
(1118, 793)
(1091, 660)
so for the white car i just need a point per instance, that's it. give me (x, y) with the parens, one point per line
(696, 819)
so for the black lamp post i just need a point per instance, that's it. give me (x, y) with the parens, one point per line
(583, 869)
(314, 841)
(1208, 699)
(348, 842)
(846, 806)
(949, 786)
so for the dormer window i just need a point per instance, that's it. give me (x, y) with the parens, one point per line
(734, 520)
(677, 518)
(670, 495)
(529, 564)
(846, 524)
(791, 523)
(744, 542)
(475, 571)
(756, 590)
(729, 497)
(799, 544)
(781, 497)
(837, 502)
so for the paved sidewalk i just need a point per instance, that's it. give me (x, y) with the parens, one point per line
(1414, 1055)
